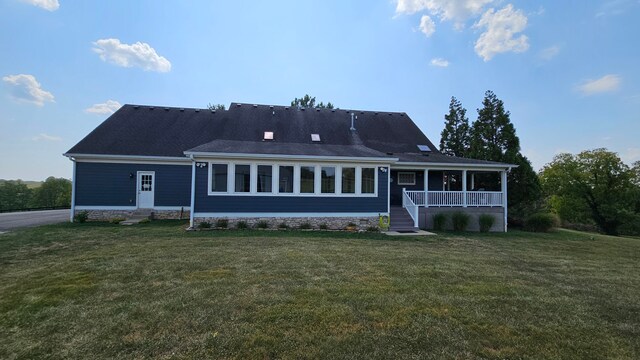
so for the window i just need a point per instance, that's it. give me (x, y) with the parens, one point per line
(348, 180)
(406, 178)
(285, 181)
(265, 178)
(268, 135)
(315, 137)
(219, 177)
(328, 180)
(146, 182)
(368, 180)
(243, 178)
(307, 179)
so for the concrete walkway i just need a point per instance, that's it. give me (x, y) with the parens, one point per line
(16, 220)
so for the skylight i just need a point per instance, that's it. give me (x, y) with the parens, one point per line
(268, 135)
(424, 148)
(315, 137)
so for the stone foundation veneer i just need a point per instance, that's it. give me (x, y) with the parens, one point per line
(106, 215)
(332, 223)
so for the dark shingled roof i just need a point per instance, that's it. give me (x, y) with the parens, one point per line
(164, 131)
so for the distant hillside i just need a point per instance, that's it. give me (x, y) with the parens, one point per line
(30, 184)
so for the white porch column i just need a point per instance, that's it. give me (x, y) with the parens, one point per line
(464, 188)
(426, 188)
(72, 212)
(403, 202)
(192, 207)
(503, 183)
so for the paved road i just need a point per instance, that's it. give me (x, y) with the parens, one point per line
(9, 221)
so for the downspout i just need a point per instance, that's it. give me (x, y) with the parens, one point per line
(73, 191)
(193, 191)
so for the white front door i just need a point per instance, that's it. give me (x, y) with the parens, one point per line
(146, 186)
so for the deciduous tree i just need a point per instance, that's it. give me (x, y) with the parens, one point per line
(310, 102)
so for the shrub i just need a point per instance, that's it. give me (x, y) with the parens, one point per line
(241, 225)
(459, 220)
(351, 224)
(204, 225)
(304, 226)
(372, 229)
(144, 221)
(222, 223)
(81, 217)
(283, 226)
(540, 222)
(439, 221)
(323, 226)
(262, 224)
(486, 222)
(117, 220)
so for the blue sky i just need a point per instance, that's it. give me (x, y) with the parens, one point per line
(566, 70)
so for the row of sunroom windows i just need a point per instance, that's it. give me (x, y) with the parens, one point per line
(291, 179)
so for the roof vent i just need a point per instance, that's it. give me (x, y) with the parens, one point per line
(424, 148)
(136, 107)
(182, 109)
(376, 113)
(302, 109)
(255, 106)
(166, 109)
(361, 112)
(268, 135)
(286, 108)
(315, 137)
(353, 117)
(213, 111)
(333, 110)
(318, 110)
(151, 108)
(271, 107)
(401, 114)
(197, 110)
(390, 114)
(238, 105)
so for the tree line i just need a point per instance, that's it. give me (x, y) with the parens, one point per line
(16, 195)
(594, 187)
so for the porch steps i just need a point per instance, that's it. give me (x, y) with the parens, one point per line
(401, 220)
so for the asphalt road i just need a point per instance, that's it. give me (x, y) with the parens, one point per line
(9, 221)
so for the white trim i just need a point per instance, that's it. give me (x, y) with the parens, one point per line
(284, 214)
(209, 165)
(399, 173)
(130, 159)
(291, 157)
(193, 190)
(450, 166)
(503, 184)
(73, 192)
(103, 207)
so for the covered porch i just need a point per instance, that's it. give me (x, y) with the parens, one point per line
(448, 187)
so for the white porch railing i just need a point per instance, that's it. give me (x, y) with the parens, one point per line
(454, 198)
(412, 207)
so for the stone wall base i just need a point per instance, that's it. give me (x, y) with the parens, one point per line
(331, 223)
(106, 215)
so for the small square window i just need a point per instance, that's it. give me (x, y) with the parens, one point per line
(406, 178)
(315, 137)
(268, 135)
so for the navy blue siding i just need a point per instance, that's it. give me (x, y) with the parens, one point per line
(284, 204)
(110, 184)
(435, 183)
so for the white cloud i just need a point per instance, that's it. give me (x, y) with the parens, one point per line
(139, 54)
(427, 26)
(51, 5)
(26, 88)
(456, 10)
(549, 53)
(45, 137)
(606, 83)
(501, 27)
(108, 107)
(440, 62)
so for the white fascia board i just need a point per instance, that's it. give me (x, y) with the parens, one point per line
(283, 215)
(208, 155)
(449, 166)
(130, 159)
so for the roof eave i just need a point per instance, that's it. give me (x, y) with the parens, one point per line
(387, 160)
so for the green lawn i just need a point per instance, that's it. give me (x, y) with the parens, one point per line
(156, 291)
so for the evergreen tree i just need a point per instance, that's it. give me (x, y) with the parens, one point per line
(454, 139)
(493, 138)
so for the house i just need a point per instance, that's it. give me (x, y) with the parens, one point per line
(277, 163)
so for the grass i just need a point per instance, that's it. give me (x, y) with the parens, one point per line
(155, 291)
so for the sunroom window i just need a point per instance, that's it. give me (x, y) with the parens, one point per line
(265, 178)
(328, 180)
(348, 180)
(368, 180)
(285, 179)
(307, 179)
(219, 177)
(243, 178)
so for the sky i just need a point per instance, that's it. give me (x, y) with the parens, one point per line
(568, 71)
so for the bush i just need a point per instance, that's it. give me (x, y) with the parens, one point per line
(460, 221)
(117, 220)
(439, 221)
(486, 222)
(540, 222)
(304, 226)
(372, 229)
(283, 226)
(262, 224)
(81, 217)
(323, 226)
(222, 223)
(241, 225)
(204, 225)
